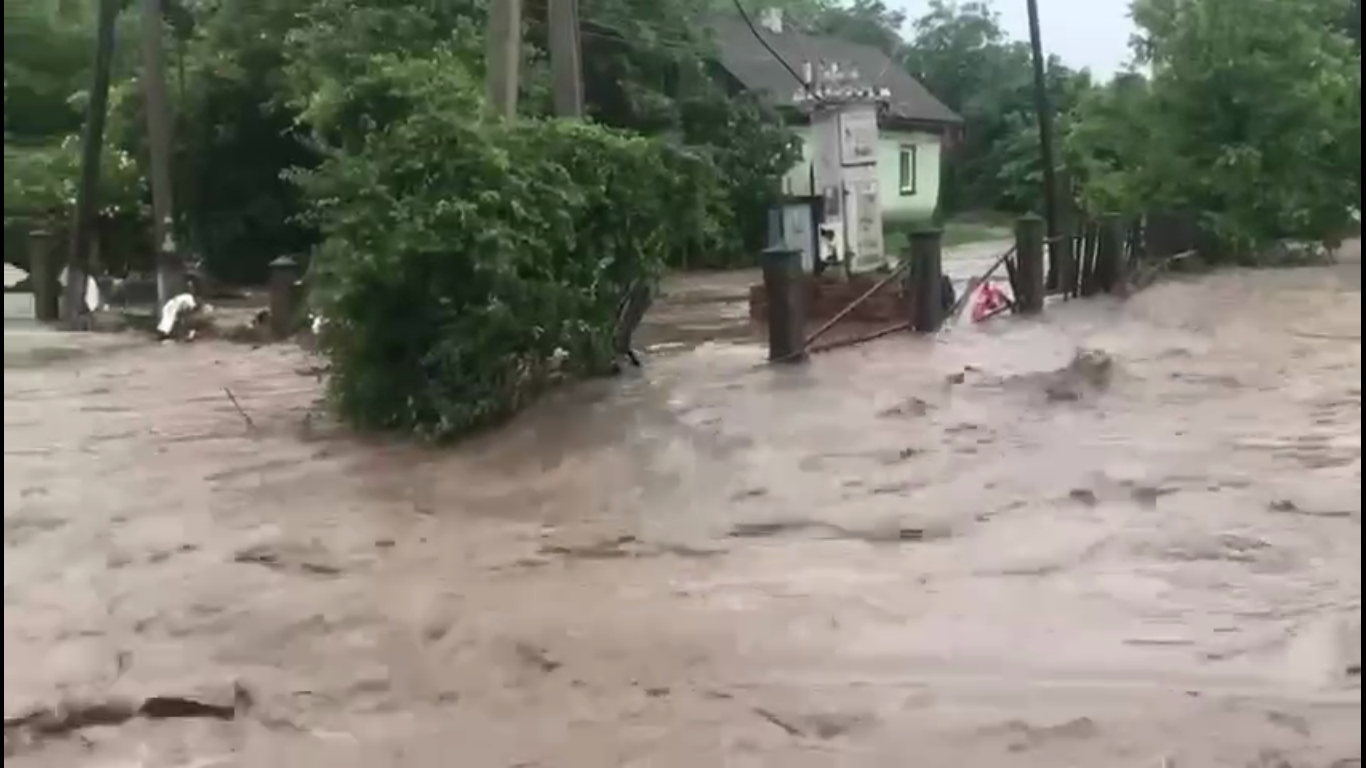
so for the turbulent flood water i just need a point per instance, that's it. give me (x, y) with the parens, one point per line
(1126, 534)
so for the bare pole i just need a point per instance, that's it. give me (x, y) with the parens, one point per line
(1045, 110)
(566, 58)
(92, 146)
(170, 269)
(504, 56)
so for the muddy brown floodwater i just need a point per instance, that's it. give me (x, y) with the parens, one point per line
(964, 552)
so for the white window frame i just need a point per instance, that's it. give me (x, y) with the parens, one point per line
(908, 169)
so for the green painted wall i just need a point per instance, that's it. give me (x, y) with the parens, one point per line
(798, 180)
(895, 206)
(920, 205)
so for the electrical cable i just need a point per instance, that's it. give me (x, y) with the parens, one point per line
(757, 36)
(606, 30)
(599, 27)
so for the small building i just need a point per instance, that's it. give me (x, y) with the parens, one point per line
(914, 129)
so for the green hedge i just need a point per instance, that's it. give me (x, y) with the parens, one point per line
(468, 264)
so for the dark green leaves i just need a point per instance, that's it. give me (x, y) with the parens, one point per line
(1252, 118)
(467, 264)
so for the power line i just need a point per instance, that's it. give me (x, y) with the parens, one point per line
(615, 33)
(755, 31)
(607, 31)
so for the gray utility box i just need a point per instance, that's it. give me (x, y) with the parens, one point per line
(794, 225)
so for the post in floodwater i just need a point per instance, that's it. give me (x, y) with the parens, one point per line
(43, 270)
(784, 285)
(925, 283)
(1029, 239)
(1110, 253)
(284, 275)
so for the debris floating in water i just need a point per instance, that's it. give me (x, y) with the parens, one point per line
(174, 312)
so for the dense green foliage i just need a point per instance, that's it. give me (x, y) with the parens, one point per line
(246, 111)
(1252, 118)
(43, 68)
(647, 70)
(962, 54)
(46, 72)
(240, 92)
(235, 135)
(469, 263)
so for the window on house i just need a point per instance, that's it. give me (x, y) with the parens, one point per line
(909, 162)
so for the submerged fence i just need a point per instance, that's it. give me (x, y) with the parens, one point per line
(1106, 255)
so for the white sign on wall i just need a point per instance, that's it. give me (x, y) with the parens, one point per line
(865, 225)
(858, 136)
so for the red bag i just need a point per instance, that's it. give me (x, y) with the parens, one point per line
(990, 300)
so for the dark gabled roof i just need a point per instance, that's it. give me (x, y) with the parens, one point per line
(757, 70)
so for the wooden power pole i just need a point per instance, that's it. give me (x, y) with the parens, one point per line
(504, 56)
(92, 147)
(565, 58)
(1050, 181)
(170, 268)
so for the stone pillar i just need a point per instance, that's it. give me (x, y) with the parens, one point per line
(43, 269)
(785, 291)
(284, 273)
(1029, 249)
(926, 283)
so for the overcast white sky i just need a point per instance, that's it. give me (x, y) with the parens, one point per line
(1084, 33)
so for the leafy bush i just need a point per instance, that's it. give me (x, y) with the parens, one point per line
(1252, 118)
(40, 192)
(467, 264)
(751, 149)
(47, 71)
(40, 182)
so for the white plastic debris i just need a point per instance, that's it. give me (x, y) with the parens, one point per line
(14, 275)
(171, 313)
(93, 300)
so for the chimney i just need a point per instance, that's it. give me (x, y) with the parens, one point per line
(772, 20)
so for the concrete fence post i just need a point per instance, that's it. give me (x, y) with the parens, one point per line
(785, 292)
(1110, 253)
(1029, 249)
(925, 282)
(1065, 254)
(1066, 251)
(43, 270)
(284, 273)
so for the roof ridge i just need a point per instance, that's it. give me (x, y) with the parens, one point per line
(745, 58)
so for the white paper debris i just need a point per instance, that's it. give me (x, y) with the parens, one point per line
(171, 313)
(93, 300)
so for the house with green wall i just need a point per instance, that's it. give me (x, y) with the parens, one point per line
(914, 130)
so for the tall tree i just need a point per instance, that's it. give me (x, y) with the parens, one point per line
(962, 54)
(1260, 104)
(869, 22)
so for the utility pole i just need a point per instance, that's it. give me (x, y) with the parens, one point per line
(1050, 181)
(565, 58)
(504, 56)
(92, 146)
(170, 269)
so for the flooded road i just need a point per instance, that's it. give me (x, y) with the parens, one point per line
(1126, 534)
